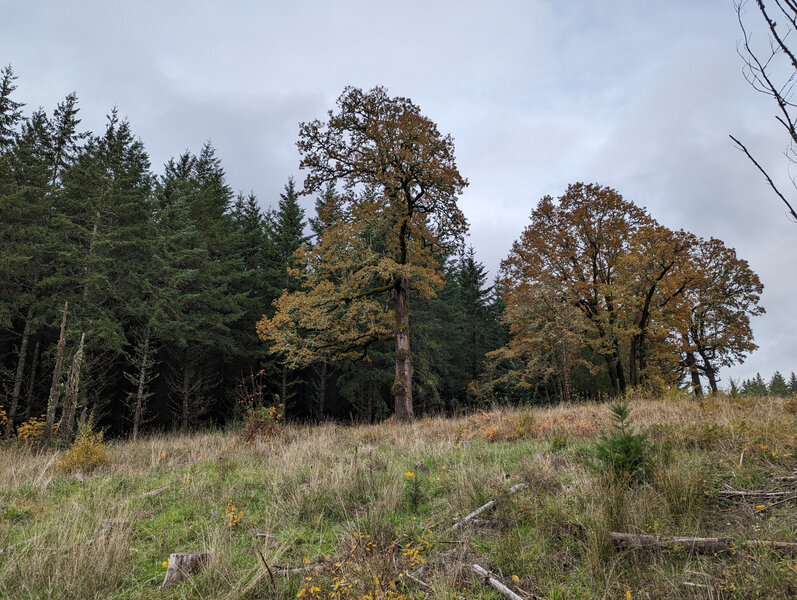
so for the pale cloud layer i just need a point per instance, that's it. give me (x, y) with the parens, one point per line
(640, 96)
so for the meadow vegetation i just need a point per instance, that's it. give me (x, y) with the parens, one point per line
(365, 512)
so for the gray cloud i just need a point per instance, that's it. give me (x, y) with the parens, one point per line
(537, 94)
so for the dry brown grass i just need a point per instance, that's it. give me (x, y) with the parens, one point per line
(312, 488)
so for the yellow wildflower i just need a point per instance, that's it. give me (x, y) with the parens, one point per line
(409, 474)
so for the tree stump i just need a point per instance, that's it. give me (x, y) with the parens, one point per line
(183, 565)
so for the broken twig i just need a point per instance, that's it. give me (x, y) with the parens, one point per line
(696, 544)
(488, 506)
(496, 583)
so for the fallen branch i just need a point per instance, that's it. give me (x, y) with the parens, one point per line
(496, 583)
(768, 506)
(753, 494)
(421, 583)
(694, 585)
(696, 544)
(290, 570)
(22, 543)
(156, 492)
(489, 505)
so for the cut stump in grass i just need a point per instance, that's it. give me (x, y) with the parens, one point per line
(696, 544)
(183, 565)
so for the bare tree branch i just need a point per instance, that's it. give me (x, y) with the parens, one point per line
(744, 149)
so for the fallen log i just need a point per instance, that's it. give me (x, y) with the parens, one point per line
(488, 506)
(18, 544)
(156, 492)
(696, 544)
(183, 565)
(496, 583)
(753, 494)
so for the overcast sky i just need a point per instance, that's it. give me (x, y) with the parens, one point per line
(637, 95)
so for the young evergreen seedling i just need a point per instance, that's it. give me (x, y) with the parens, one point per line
(623, 453)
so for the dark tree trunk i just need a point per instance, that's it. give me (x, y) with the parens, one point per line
(402, 386)
(67, 424)
(321, 397)
(697, 388)
(618, 365)
(633, 368)
(23, 353)
(33, 367)
(565, 374)
(370, 416)
(142, 378)
(616, 375)
(55, 387)
(186, 389)
(709, 370)
(284, 386)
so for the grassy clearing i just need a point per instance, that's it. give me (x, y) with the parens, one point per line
(360, 507)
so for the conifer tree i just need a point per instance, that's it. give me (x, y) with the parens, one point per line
(793, 384)
(287, 226)
(778, 386)
(201, 271)
(107, 199)
(10, 110)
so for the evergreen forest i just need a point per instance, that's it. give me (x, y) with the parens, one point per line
(157, 297)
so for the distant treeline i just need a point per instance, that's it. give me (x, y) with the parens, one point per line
(159, 280)
(756, 386)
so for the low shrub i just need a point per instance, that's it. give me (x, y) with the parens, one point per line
(87, 453)
(31, 432)
(262, 424)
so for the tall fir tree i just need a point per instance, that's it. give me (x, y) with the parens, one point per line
(778, 386)
(286, 225)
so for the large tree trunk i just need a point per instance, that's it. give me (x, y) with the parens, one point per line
(55, 387)
(616, 375)
(67, 424)
(23, 353)
(697, 388)
(402, 386)
(618, 365)
(710, 371)
(142, 378)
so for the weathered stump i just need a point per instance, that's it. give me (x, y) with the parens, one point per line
(183, 565)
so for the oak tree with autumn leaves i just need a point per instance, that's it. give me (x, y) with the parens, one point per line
(594, 276)
(396, 183)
